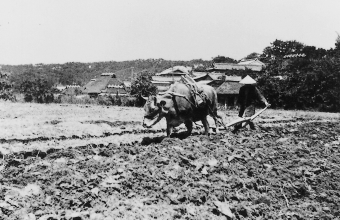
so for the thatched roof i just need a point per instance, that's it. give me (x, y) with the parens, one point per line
(229, 88)
(97, 85)
(215, 83)
(115, 82)
(105, 83)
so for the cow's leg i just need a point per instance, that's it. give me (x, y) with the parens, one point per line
(188, 124)
(217, 116)
(216, 124)
(206, 125)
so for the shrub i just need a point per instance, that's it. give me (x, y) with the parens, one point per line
(37, 90)
(6, 91)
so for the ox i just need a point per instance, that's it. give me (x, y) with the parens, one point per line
(177, 107)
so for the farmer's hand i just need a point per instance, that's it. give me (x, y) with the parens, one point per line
(267, 104)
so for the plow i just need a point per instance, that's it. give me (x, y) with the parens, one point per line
(247, 119)
(243, 121)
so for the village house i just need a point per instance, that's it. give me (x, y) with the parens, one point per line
(227, 92)
(252, 64)
(227, 87)
(106, 84)
(164, 79)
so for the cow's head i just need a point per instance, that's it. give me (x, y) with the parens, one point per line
(155, 109)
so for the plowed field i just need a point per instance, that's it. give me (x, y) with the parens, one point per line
(93, 162)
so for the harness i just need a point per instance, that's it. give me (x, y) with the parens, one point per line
(200, 98)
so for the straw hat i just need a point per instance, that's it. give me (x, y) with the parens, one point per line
(247, 80)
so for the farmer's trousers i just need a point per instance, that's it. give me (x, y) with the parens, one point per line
(246, 112)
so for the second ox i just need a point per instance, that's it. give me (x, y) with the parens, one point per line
(177, 106)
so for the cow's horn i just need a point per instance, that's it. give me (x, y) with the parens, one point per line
(145, 98)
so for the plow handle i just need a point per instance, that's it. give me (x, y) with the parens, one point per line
(241, 120)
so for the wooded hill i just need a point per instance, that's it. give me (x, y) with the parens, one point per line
(81, 73)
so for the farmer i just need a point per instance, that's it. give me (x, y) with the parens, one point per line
(247, 97)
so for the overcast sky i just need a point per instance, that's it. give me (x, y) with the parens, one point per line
(59, 31)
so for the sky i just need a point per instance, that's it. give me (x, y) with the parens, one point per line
(60, 31)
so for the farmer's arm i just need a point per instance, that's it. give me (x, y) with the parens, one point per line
(260, 96)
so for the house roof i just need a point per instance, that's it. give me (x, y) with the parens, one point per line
(203, 77)
(233, 78)
(229, 88)
(97, 85)
(198, 74)
(216, 76)
(165, 79)
(204, 82)
(251, 62)
(225, 66)
(176, 70)
(230, 66)
(114, 81)
(215, 83)
(254, 65)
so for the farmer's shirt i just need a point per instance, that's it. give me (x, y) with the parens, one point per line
(248, 95)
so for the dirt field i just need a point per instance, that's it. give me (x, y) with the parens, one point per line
(94, 162)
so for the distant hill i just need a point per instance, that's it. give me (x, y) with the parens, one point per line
(81, 73)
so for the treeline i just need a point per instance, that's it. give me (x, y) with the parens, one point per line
(81, 73)
(308, 83)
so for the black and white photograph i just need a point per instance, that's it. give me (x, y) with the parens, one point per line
(158, 109)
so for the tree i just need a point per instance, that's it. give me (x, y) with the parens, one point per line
(222, 59)
(253, 55)
(337, 47)
(280, 48)
(36, 87)
(6, 91)
(142, 86)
